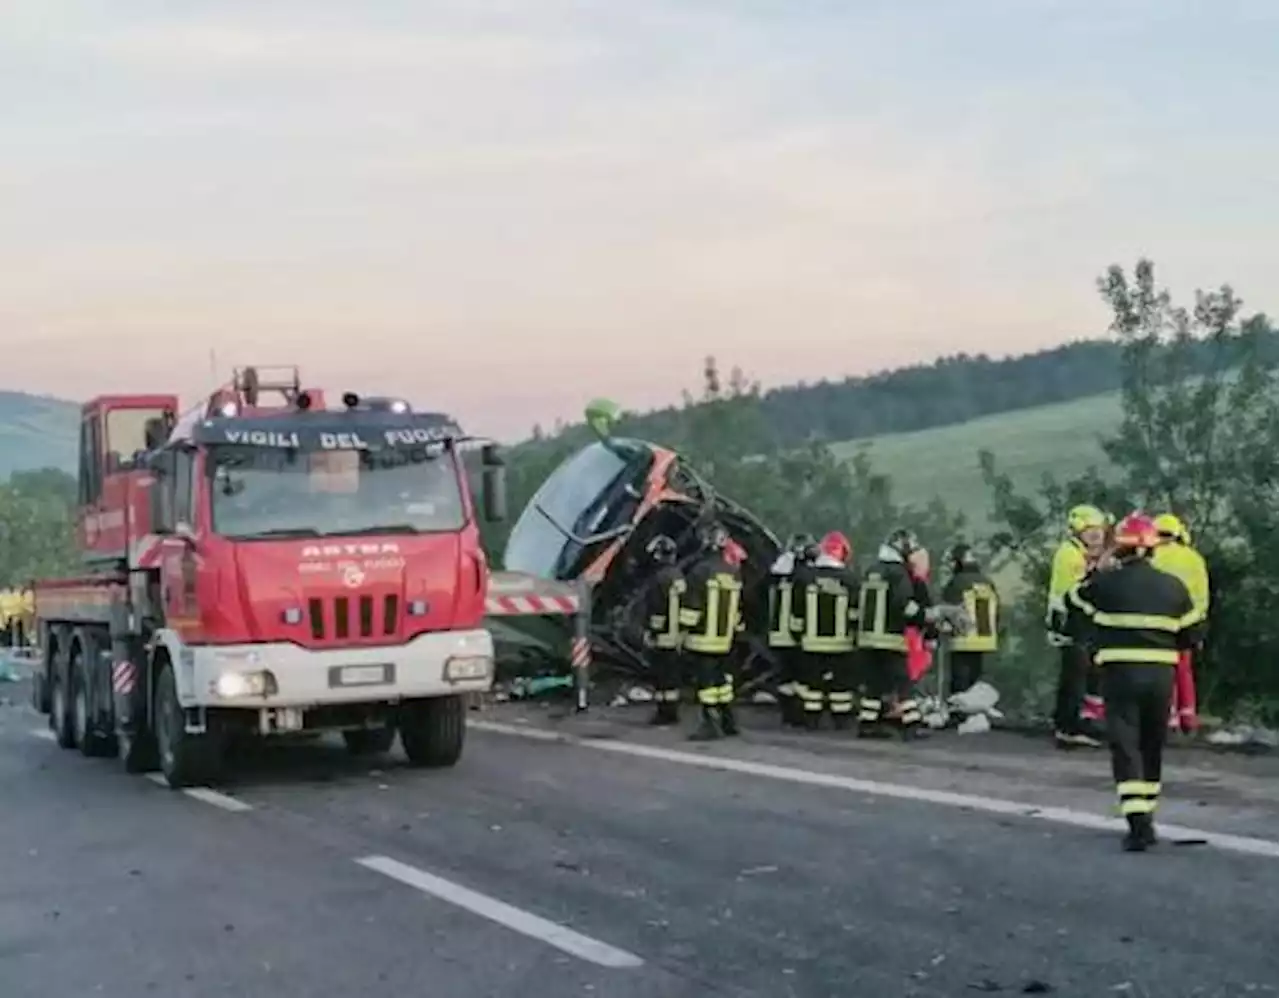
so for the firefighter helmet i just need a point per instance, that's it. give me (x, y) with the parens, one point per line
(714, 536)
(903, 541)
(800, 543)
(1170, 527)
(661, 549)
(835, 545)
(1085, 517)
(962, 556)
(1135, 534)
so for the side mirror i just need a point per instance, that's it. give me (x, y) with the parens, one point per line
(493, 483)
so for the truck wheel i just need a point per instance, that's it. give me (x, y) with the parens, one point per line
(60, 716)
(369, 741)
(185, 759)
(87, 732)
(432, 731)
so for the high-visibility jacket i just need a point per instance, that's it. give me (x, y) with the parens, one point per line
(784, 601)
(662, 608)
(828, 589)
(1133, 614)
(1070, 566)
(1188, 565)
(887, 605)
(712, 612)
(972, 589)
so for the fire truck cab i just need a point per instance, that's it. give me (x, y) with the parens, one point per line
(268, 569)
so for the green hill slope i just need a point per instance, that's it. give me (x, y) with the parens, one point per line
(37, 431)
(1061, 439)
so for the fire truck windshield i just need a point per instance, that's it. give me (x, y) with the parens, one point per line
(266, 492)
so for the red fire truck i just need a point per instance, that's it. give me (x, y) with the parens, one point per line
(259, 569)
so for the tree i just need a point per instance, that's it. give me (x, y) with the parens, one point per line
(1198, 438)
(37, 539)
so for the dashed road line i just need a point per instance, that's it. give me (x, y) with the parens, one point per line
(991, 805)
(517, 919)
(204, 794)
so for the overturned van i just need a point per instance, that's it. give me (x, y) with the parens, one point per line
(593, 517)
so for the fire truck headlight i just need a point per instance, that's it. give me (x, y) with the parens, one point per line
(459, 668)
(233, 685)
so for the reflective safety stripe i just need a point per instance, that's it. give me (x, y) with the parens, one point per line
(709, 696)
(983, 607)
(825, 594)
(1138, 796)
(1073, 597)
(665, 627)
(720, 620)
(688, 618)
(786, 689)
(909, 713)
(883, 642)
(1144, 621)
(1137, 656)
(841, 703)
(868, 709)
(666, 696)
(780, 619)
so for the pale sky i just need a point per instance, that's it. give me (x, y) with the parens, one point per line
(504, 208)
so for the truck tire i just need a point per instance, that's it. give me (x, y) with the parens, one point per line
(432, 731)
(60, 717)
(369, 741)
(185, 759)
(86, 717)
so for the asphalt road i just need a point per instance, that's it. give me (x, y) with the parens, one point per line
(540, 869)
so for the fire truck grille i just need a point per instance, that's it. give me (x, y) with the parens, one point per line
(346, 617)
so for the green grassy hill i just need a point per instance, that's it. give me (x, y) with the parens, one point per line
(943, 462)
(37, 431)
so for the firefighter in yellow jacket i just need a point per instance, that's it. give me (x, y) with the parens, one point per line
(970, 587)
(1136, 619)
(1071, 563)
(711, 619)
(1176, 556)
(662, 631)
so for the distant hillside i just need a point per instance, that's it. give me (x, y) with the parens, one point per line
(37, 431)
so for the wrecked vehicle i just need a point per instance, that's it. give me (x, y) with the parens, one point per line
(592, 519)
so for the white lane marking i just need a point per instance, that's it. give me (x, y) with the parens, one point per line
(204, 794)
(517, 919)
(992, 805)
(44, 734)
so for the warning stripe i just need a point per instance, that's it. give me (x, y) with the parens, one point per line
(524, 605)
(580, 653)
(124, 677)
(146, 553)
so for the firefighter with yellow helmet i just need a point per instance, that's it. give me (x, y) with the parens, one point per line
(1176, 556)
(1076, 555)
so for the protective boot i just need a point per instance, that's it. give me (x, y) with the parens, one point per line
(708, 729)
(1140, 830)
(792, 715)
(666, 713)
(1148, 830)
(728, 723)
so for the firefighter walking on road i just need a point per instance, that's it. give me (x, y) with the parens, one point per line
(888, 604)
(1176, 556)
(711, 618)
(1071, 563)
(827, 639)
(1136, 619)
(662, 630)
(786, 614)
(970, 587)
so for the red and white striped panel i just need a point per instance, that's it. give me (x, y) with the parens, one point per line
(513, 606)
(124, 676)
(580, 653)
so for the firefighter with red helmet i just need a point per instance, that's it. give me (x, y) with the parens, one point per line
(1135, 619)
(827, 586)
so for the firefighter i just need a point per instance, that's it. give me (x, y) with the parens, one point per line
(1136, 618)
(1071, 562)
(710, 620)
(662, 631)
(888, 604)
(827, 641)
(970, 587)
(785, 616)
(1176, 556)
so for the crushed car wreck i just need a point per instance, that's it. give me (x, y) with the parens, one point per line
(591, 520)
